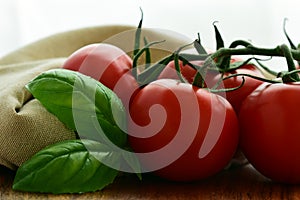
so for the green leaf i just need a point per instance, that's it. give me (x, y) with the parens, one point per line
(132, 161)
(198, 46)
(138, 32)
(72, 166)
(287, 35)
(147, 54)
(75, 98)
(151, 73)
(219, 39)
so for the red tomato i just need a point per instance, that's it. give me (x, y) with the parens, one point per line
(234, 97)
(182, 132)
(187, 71)
(270, 131)
(108, 64)
(237, 97)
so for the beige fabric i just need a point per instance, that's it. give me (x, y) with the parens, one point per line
(25, 125)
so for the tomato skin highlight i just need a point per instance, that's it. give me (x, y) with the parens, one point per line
(195, 162)
(270, 131)
(99, 58)
(108, 64)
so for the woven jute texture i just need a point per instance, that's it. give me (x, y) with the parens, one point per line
(25, 125)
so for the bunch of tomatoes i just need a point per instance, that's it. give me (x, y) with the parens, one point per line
(188, 116)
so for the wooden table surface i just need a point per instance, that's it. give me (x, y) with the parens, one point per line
(238, 183)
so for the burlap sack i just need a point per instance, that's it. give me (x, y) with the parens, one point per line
(25, 125)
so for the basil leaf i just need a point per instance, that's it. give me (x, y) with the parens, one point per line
(72, 166)
(75, 98)
(133, 162)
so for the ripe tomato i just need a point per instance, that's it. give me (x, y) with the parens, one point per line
(182, 132)
(237, 97)
(234, 97)
(270, 131)
(187, 71)
(108, 64)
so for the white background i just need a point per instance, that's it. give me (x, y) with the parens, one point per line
(261, 21)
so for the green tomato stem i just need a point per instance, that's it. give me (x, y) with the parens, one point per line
(177, 67)
(251, 76)
(237, 43)
(291, 65)
(227, 89)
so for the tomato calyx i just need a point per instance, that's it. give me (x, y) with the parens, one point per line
(138, 34)
(289, 39)
(291, 75)
(219, 61)
(139, 54)
(225, 64)
(152, 72)
(280, 51)
(176, 61)
(198, 46)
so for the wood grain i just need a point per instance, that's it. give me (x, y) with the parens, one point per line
(239, 183)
